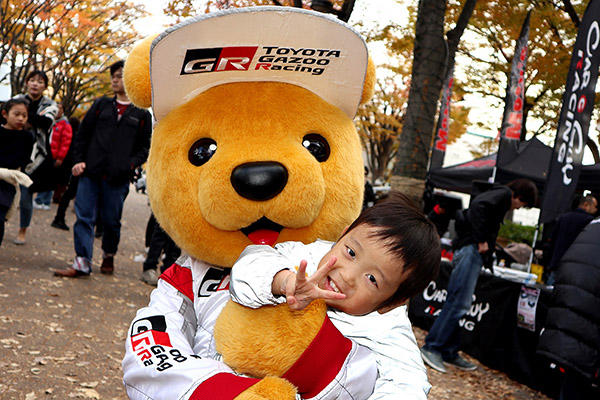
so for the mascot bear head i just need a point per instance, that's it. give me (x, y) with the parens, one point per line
(254, 141)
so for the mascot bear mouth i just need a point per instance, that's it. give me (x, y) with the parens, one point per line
(263, 231)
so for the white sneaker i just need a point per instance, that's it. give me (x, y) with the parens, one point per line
(38, 206)
(45, 207)
(150, 276)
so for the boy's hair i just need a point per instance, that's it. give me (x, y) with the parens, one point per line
(409, 235)
(39, 73)
(525, 190)
(12, 102)
(116, 66)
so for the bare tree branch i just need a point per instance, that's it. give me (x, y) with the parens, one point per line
(572, 13)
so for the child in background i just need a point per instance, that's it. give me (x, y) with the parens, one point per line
(60, 142)
(16, 145)
(389, 254)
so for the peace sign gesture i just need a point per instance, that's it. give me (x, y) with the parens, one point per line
(300, 291)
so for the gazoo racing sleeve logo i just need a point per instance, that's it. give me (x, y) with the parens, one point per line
(152, 346)
(265, 58)
(147, 332)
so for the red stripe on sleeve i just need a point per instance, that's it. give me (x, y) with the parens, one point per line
(222, 386)
(180, 278)
(320, 362)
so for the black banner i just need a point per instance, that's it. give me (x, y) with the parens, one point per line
(489, 330)
(512, 120)
(574, 121)
(438, 149)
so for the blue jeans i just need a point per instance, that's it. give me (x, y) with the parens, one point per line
(44, 198)
(444, 335)
(25, 207)
(110, 198)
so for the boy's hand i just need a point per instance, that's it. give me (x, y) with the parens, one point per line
(301, 291)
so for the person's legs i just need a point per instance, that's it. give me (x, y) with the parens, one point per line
(67, 196)
(172, 253)
(551, 278)
(3, 212)
(150, 229)
(157, 244)
(25, 213)
(83, 230)
(99, 226)
(442, 336)
(155, 249)
(44, 198)
(113, 198)
(58, 192)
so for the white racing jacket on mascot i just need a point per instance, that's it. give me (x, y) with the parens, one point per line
(172, 341)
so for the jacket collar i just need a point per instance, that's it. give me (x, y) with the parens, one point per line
(127, 111)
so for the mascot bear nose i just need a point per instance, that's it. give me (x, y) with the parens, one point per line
(260, 180)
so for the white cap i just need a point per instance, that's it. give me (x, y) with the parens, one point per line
(276, 44)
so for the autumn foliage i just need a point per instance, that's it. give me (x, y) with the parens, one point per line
(74, 41)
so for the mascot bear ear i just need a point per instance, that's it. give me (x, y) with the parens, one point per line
(369, 85)
(136, 74)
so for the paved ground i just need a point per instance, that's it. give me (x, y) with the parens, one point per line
(63, 339)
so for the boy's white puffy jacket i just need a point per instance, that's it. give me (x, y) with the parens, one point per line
(170, 349)
(389, 336)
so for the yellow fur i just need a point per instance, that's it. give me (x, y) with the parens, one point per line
(369, 85)
(136, 74)
(269, 388)
(258, 352)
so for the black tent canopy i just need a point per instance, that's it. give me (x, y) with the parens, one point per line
(531, 162)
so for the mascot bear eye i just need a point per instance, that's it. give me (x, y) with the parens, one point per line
(317, 145)
(201, 151)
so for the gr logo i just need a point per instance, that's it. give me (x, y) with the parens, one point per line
(213, 281)
(217, 59)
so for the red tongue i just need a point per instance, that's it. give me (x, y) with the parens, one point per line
(264, 236)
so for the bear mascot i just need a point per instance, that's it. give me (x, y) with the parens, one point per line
(254, 144)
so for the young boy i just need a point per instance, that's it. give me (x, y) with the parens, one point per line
(16, 145)
(389, 254)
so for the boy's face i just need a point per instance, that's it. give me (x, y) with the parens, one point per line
(364, 271)
(36, 86)
(16, 117)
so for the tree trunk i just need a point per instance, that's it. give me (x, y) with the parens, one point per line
(594, 149)
(429, 63)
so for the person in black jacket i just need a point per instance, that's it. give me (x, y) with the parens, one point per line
(113, 139)
(476, 228)
(571, 335)
(567, 228)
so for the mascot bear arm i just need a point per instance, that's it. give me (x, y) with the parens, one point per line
(270, 340)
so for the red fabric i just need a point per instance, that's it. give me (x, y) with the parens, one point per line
(320, 362)
(222, 386)
(121, 108)
(62, 134)
(181, 279)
